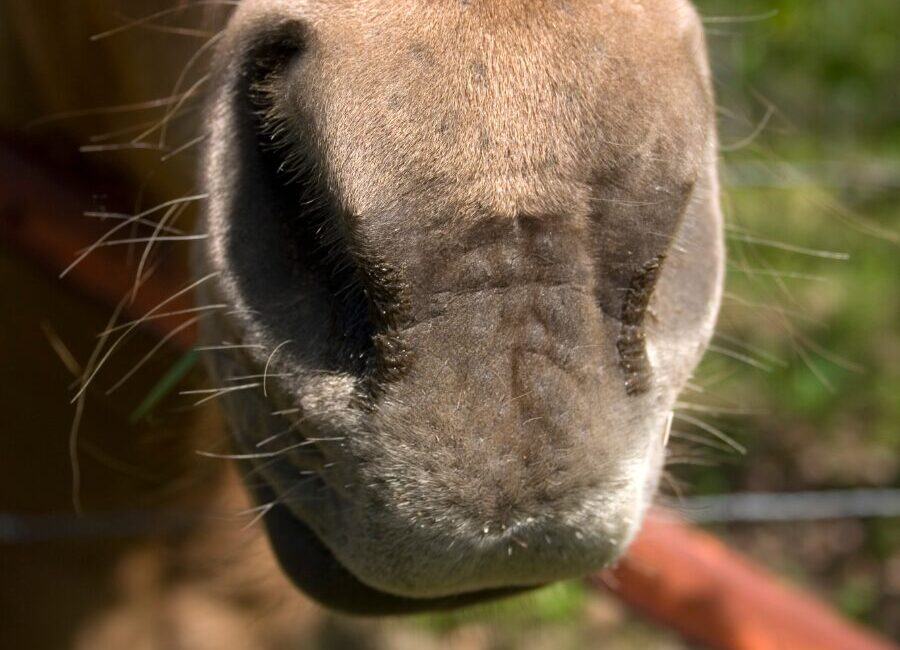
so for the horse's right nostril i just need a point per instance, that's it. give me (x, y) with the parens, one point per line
(272, 51)
(315, 251)
(285, 244)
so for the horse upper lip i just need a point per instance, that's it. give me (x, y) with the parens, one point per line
(317, 572)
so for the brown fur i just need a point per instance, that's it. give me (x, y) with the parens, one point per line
(444, 250)
(519, 203)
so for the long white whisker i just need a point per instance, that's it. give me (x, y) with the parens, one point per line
(160, 14)
(130, 219)
(143, 222)
(268, 454)
(229, 346)
(183, 75)
(737, 356)
(182, 148)
(174, 109)
(166, 314)
(144, 240)
(218, 392)
(724, 437)
(269, 361)
(119, 146)
(731, 20)
(160, 344)
(128, 331)
(760, 241)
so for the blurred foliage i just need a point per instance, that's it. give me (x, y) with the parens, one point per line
(829, 66)
(809, 92)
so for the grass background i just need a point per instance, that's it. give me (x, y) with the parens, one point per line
(823, 174)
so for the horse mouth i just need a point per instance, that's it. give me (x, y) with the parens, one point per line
(315, 570)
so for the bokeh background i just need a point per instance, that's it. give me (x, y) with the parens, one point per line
(801, 389)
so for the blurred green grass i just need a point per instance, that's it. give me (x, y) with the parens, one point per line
(824, 174)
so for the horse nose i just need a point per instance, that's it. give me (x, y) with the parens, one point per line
(443, 559)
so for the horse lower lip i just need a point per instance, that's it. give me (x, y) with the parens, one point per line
(318, 573)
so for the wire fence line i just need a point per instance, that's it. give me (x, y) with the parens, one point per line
(760, 507)
(881, 174)
(745, 507)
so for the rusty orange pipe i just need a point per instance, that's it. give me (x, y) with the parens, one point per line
(692, 582)
(41, 216)
(675, 574)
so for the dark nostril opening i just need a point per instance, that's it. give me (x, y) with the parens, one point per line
(315, 250)
(301, 267)
(274, 49)
(287, 247)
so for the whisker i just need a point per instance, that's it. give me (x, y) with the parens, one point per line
(143, 240)
(771, 358)
(813, 368)
(187, 145)
(79, 401)
(724, 437)
(712, 410)
(137, 323)
(176, 89)
(171, 214)
(120, 146)
(280, 499)
(790, 275)
(103, 110)
(701, 440)
(134, 128)
(218, 392)
(737, 356)
(257, 376)
(290, 411)
(269, 361)
(791, 248)
(753, 135)
(731, 298)
(828, 355)
(143, 20)
(160, 344)
(130, 219)
(142, 222)
(731, 20)
(61, 349)
(229, 346)
(176, 31)
(174, 109)
(267, 454)
(166, 314)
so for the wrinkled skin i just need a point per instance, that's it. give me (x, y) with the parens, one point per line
(474, 252)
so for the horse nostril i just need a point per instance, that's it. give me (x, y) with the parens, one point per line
(273, 50)
(283, 240)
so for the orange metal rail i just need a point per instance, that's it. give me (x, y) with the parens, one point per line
(678, 575)
(41, 208)
(693, 583)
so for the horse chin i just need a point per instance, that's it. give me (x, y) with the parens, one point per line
(319, 574)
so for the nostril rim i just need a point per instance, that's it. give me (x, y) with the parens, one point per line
(266, 80)
(273, 50)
